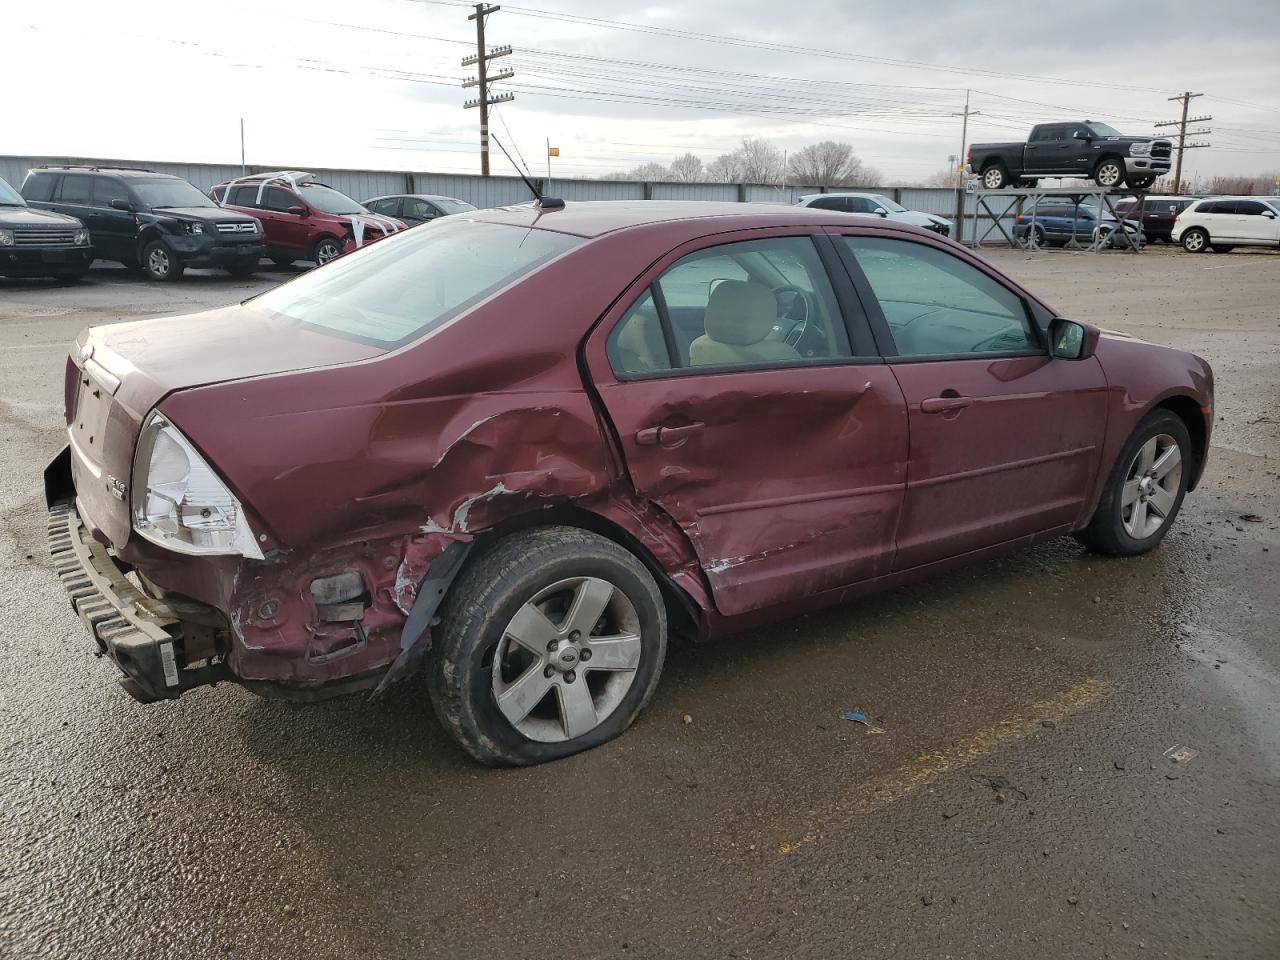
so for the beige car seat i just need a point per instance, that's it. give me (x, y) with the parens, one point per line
(739, 316)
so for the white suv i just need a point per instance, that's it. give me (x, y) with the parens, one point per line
(1225, 222)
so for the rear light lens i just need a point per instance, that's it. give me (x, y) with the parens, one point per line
(178, 500)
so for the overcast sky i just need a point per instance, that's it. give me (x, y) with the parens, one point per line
(376, 83)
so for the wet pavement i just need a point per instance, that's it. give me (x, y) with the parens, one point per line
(1012, 798)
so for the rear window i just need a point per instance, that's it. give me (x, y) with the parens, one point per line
(395, 291)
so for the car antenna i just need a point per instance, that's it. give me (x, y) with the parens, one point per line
(544, 203)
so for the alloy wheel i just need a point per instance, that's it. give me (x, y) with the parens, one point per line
(1151, 487)
(158, 261)
(326, 252)
(1109, 174)
(993, 179)
(566, 659)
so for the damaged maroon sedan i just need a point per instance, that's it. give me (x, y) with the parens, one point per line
(517, 449)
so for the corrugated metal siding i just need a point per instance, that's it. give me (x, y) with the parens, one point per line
(501, 191)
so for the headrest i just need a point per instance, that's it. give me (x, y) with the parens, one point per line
(740, 312)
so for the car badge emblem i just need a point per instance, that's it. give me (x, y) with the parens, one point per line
(117, 487)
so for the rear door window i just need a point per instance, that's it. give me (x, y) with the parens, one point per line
(839, 204)
(244, 195)
(76, 188)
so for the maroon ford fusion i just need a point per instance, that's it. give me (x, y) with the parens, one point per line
(515, 450)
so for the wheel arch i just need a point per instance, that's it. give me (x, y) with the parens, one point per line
(686, 617)
(1188, 410)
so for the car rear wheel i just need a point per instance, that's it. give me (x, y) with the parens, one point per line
(1036, 236)
(159, 262)
(1195, 240)
(327, 249)
(1145, 489)
(1109, 173)
(551, 643)
(995, 177)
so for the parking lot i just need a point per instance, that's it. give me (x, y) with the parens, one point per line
(1014, 787)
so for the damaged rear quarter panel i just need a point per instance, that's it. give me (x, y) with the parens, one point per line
(378, 465)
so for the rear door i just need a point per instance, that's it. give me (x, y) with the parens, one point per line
(1005, 440)
(753, 410)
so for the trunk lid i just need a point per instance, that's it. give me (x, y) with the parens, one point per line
(117, 374)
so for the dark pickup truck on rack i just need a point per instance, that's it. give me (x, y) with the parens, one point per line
(1086, 149)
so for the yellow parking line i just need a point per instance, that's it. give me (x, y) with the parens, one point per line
(914, 774)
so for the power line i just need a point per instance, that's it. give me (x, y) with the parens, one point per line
(484, 99)
(1185, 99)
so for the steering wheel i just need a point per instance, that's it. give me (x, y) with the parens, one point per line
(801, 303)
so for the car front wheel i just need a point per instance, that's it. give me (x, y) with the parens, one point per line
(327, 249)
(159, 262)
(1195, 240)
(1145, 489)
(551, 643)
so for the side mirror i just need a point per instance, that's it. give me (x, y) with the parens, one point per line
(125, 205)
(297, 211)
(1269, 214)
(1081, 135)
(880, 212)
(1071, 340)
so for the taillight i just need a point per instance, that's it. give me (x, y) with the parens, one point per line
(968, 155)
(1178, 218)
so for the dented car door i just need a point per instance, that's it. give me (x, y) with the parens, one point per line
(751, 406)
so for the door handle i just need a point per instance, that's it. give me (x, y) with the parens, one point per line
(666, 436)
(944, 404)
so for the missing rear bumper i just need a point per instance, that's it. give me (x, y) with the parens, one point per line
(144, 636)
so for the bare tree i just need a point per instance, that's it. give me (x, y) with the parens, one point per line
(755, 161)
(829, 163)
(686, 168)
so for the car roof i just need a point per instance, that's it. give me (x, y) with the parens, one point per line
(133, 173)
(840, 193)
(593, 218)
(416, 196)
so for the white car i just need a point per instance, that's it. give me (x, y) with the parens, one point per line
(1226, 222)
(878, 205)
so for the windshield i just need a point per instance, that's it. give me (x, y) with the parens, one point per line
(394, 291)
(452, 206)
(10, 197)
(328, 200)
(888, 204)
(1102, 130)
(169, 193)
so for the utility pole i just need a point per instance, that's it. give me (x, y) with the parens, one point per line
(242, 173)
(964, 127)
(1183, 133)
(481, 59)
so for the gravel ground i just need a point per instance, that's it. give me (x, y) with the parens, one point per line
(1017, 802)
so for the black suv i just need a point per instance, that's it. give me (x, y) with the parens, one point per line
(149, 220)
(38, 243)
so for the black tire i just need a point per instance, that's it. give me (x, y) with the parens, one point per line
(476, 615)
(282, 262)
(1026, 182)
(1106, 533)
(1109, 173)
(1195, 240)
(1036, 236)
(160, 263)
(326, 250)
(995, 177)
(1141, 183)
(243, 268)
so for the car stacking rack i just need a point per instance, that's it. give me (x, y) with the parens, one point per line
(1020, 200)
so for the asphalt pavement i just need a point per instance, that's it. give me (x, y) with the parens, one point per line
(1067, 756)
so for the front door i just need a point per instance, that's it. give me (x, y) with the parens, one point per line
(1005, 440)
(115, 237)
(1256, 222)
(290, 231)
(757, 416)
